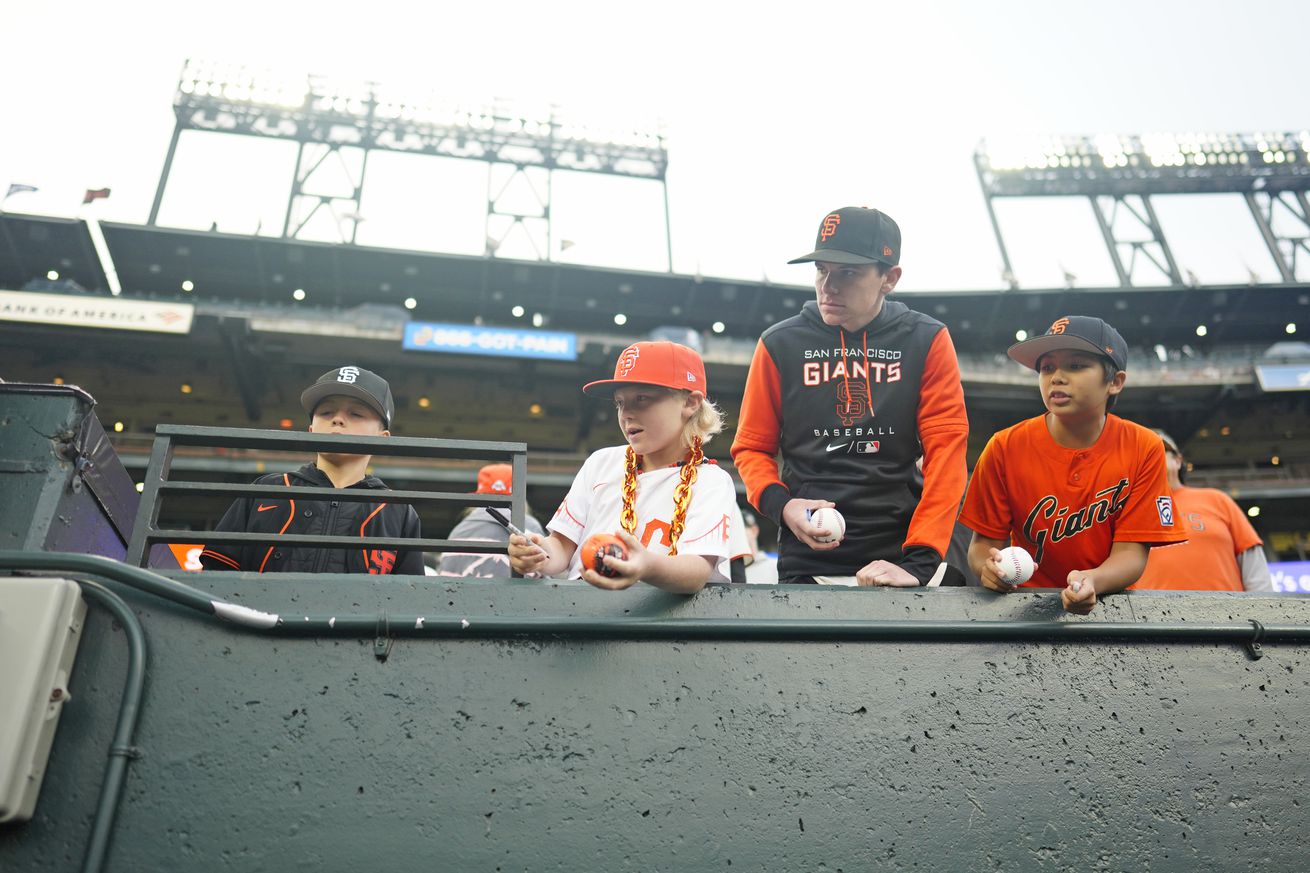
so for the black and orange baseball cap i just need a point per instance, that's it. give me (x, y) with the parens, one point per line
(668, 364)
(856, 235)
(1083, 333)
(356, 382)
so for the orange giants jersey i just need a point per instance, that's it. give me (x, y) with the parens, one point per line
(1217, 532)
(1068, 506)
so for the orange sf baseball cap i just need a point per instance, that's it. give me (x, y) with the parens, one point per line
(495, 479)
(669, 365)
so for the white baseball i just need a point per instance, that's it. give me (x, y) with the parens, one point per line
(1016, 565)
(830, 520)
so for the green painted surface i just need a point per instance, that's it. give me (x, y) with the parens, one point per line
(45, 505)
(267, 753)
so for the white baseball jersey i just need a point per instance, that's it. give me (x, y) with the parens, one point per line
(595, 502)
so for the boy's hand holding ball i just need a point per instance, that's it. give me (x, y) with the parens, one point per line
(1016, 565)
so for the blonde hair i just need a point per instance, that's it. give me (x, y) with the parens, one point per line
(705, 423)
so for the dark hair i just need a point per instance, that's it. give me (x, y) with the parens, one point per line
(1111, 370)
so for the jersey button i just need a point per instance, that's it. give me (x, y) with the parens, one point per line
(1077, 476)
(309, 513)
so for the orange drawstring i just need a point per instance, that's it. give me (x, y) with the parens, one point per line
(845, 380)
(868, 389)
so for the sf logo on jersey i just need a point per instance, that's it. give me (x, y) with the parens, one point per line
(852, 401)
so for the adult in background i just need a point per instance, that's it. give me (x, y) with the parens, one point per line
(850, 392)
(1222, 553)
(763, 568)
(477, 525)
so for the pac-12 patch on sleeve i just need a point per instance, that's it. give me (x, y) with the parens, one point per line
(1165, 507)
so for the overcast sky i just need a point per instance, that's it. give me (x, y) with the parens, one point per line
(775, 113)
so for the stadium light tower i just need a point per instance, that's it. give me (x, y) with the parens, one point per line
(338, 125)
(1119, 174)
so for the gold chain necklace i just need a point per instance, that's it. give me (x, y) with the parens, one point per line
(681, 493)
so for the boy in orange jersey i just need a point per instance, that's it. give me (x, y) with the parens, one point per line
(343, 401)
(1082, 490)
(1222, 553)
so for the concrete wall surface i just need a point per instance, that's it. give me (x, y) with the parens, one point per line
(509, 754)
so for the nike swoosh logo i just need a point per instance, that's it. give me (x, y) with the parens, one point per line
(263, 508)
(832, 448)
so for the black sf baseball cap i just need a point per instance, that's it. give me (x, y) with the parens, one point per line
(856, 235)
(356, 382)
(1081, 333)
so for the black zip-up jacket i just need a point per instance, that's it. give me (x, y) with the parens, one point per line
(316, 517)
(849, 412)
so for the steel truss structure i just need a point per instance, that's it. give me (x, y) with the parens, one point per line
(1120, 174)
(338, 125)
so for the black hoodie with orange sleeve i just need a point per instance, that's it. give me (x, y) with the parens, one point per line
(850, 412)
(325, 517)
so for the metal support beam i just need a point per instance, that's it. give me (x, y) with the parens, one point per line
(247, 366)
(1007, 270)
(668, 227)
(1283, 248)
(335, 115)
(163, 177)
(535, 226)
(1155, 249)
(302, 193)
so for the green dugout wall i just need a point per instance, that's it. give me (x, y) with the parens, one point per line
(568, 752)
(531, 726)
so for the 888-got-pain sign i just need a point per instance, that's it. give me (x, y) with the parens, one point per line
(423, 336)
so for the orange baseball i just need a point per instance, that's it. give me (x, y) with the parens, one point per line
(597, 547)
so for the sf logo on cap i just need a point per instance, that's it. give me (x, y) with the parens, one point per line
(348, 374)
(1059, 326)
(627, 361)
(829, 227)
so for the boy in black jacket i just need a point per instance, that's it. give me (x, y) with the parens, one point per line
(347, 401)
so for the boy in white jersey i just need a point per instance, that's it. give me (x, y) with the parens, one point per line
(658, 494)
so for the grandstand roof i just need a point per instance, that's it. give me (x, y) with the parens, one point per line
(31, 246)
(459, 288)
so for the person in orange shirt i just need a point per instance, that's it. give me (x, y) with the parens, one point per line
(1222, 553)
(1084, 491)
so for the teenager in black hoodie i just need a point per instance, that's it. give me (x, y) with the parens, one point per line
(850, 392)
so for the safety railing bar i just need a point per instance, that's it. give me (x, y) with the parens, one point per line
(302, 441)
(352, 495)
(211, 538)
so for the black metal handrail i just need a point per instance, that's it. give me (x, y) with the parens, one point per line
(146, 532)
